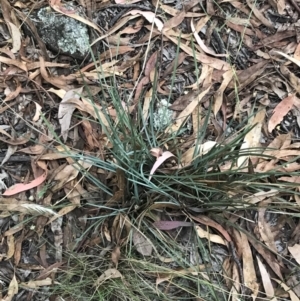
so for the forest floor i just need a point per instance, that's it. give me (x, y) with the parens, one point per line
(150, 150)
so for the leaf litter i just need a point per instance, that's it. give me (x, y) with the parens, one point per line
(212, 196)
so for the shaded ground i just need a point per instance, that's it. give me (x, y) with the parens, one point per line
(162, 162)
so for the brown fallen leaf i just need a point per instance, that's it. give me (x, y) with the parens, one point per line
(13, 289)
(201, 57)
(252, 138)
(258, 14)
(201, 43)
(182, 117)
(295, 251)
(35, 284)
(281, 110)
(289, 290)
(174, 21)
(143, 245)
(266, 280)
(297, 53)
(267, 256)
(248, 266)
(169, 225)
(150, 65)
(227, 76)
(11, 247)
(115, 255)
(108, 274)
(61, 82)
(65, 111)
(210, 237)
(149, 16)
(17, 188)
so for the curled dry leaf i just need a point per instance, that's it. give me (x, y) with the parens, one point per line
(297, 53)
(108, 274)
(150, 16)
(156, 152)
(196, 151)
(201, 43)
(160, 160)
(38, 112)
(292, 59)
(211, 237)
(151, 64)
(11, 95)
(201, 57)
(258, 14)
(11, 247)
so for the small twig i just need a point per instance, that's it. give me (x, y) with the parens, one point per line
(295, 5)
(16, 159)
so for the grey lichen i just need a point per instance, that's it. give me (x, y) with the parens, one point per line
(62, 32)
(162, 117)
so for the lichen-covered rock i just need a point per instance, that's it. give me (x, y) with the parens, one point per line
(62, 33)
(162, 117)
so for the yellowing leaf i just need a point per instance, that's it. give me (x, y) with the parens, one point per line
(12, 289)
(108, 274)
(211, 237)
